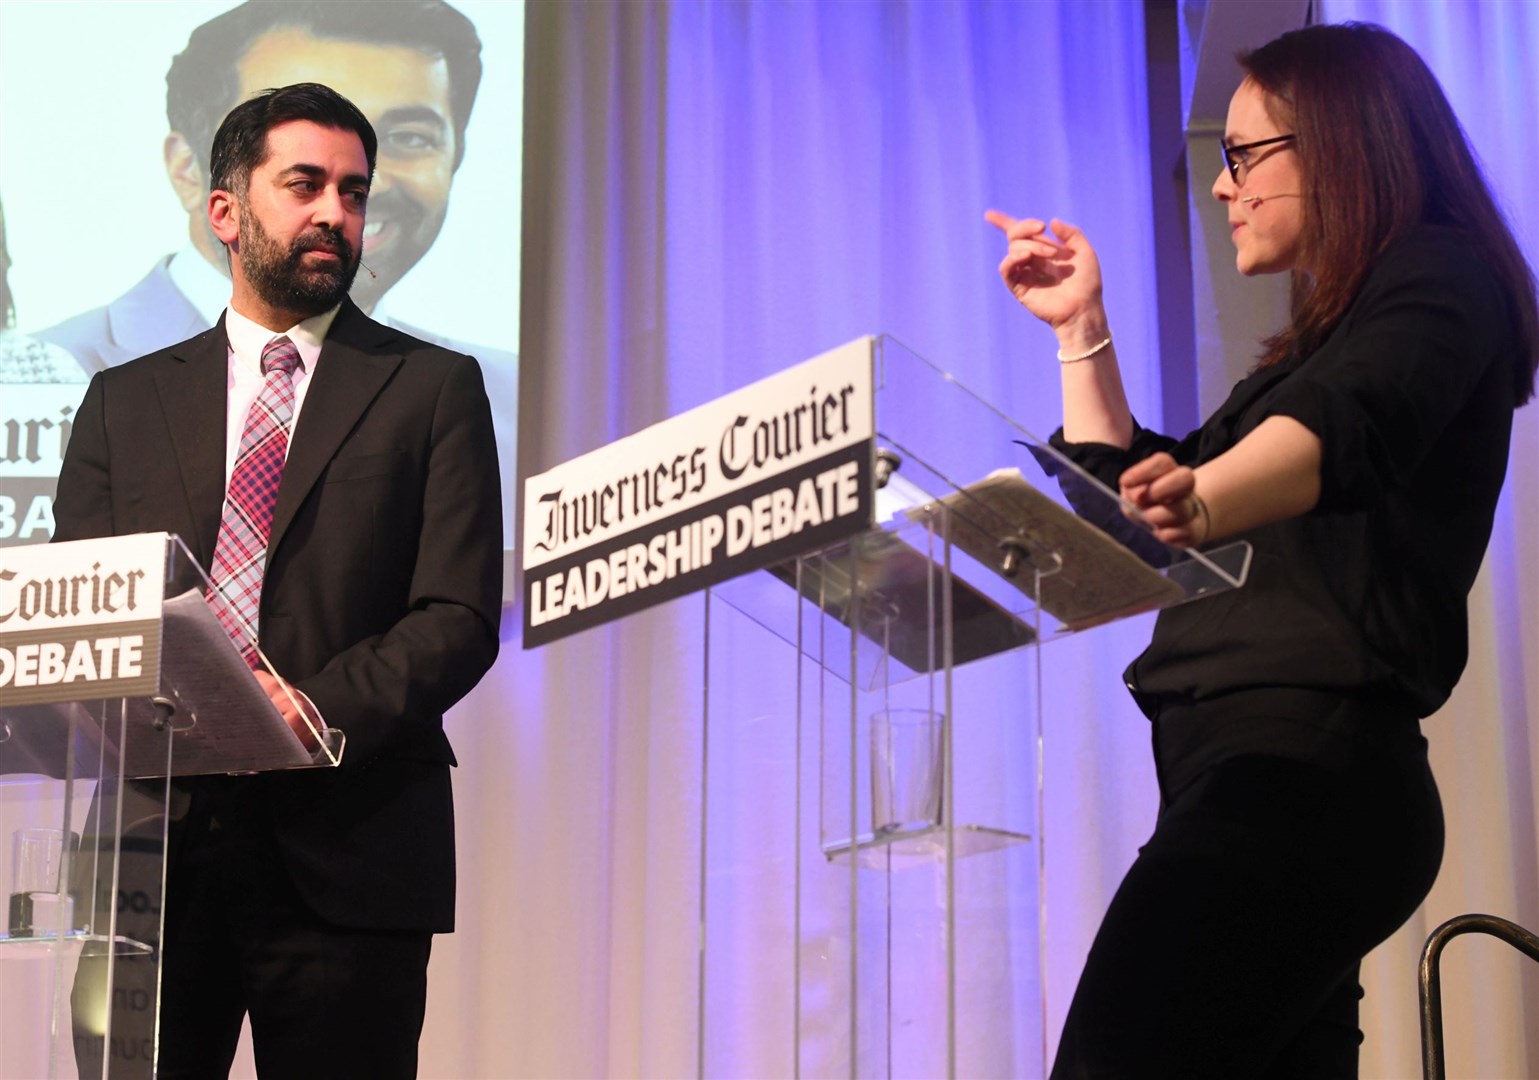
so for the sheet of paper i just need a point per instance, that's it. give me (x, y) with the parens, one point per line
(223, 721)
(220, 719)
(1093, 578)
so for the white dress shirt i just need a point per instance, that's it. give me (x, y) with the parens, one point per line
(244, 380)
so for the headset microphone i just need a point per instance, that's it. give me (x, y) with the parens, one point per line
(365, 265)
(1259, 198)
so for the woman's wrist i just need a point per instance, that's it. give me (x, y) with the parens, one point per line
(1074, 358)
(1083, 332)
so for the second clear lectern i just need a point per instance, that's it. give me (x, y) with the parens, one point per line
(875, 909)
(115, 676)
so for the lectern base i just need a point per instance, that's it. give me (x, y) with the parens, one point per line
(90, 945)
(920, 847)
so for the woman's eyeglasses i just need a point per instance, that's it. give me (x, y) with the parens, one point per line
(1236, 157)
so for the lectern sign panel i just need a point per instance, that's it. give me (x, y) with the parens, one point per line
(81, 620)
(777, 468)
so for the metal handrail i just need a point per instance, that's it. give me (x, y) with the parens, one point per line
(1433, 1066)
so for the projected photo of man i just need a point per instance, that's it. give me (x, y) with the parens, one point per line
(412, 66)
(24, 359)
(39, 386)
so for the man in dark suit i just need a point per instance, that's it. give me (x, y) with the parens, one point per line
(309, 898)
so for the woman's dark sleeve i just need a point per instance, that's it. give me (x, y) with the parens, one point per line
(1423, 335)
(1106, 462)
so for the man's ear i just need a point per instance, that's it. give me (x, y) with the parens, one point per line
(184, 172)
(224, 217)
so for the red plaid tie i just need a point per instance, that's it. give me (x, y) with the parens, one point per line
(241, 551)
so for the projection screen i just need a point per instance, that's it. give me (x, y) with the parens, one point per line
(107, 251)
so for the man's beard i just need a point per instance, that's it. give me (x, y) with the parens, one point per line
(281, 279)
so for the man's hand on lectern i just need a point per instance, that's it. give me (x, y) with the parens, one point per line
(298, 711)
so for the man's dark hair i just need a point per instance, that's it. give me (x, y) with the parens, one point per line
(204, 82)
(240, 144)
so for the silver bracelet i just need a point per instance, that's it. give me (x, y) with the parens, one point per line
(1200, 509)
(1062, 359)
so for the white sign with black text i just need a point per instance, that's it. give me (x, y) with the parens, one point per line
(777, 468)
(81, 620)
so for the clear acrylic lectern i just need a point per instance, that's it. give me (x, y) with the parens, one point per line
(105, 692)
(875, 910)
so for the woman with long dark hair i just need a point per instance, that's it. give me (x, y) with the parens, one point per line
(1362, 458)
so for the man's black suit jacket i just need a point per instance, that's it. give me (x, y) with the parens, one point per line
(381, 596)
